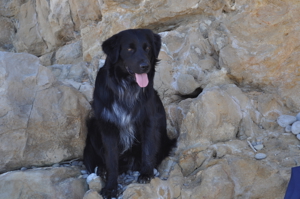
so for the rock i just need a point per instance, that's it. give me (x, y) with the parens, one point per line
(285, 120)
(91, 194)
(43, 183)
(250, 51)
(157, 188)
(214, 109)
(192, 159)
(55, 165)
(45, 120)
(91, 177)
(259, 147)
(228, 70)
(96, 184)
(298, 117)
(253, 177)
(6, 34)
(298, 136)
(186, 84)
(69, 54)
(296, 128)
(215, 184)
(23, 169)
(260, 156)
(288, 128)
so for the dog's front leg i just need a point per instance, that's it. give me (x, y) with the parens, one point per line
(110, 143)
(149, 151)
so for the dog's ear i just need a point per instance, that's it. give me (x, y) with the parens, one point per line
(157, 44)
(111, 48)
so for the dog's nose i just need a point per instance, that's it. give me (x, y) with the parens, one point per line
(144, 66)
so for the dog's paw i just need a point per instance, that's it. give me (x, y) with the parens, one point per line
(109, 193)
(144, 178)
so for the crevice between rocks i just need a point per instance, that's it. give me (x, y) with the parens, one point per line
(194, 94)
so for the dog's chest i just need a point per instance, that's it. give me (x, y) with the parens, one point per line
(124, 118)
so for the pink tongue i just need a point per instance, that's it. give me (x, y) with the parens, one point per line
(142, 79)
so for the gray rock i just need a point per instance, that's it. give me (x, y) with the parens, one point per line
(285, 120)
(298, 136)
(260, 156)
(296, 128)
(56, 165)
(288, 128)
(23, 169)
(298, 117)
(259, 147)
(83, 172)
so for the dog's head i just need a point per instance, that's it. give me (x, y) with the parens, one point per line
(135, 51)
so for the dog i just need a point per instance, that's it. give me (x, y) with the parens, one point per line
(127, 128)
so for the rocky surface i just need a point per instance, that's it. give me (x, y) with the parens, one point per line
(56, 183)
(42, 120)
(228, 77)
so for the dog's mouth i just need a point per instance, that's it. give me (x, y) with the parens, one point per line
(141, 79)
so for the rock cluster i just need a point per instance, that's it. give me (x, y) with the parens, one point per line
(228, 77)
(290, 123)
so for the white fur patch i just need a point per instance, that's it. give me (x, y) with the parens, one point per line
(123, 120)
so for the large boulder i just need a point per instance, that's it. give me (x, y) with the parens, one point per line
(263, 48)
(42, 121)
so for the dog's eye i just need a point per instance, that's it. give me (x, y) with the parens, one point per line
(129, 49)
(147, 48)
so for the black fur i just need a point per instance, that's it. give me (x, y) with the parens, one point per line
(127, 130)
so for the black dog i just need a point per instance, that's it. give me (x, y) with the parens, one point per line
(127, 130)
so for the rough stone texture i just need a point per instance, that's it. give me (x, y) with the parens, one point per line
(7, 33)
(228, 70)
(52, 183)
(43, 26)
(157, 188)
(91, 194)
(263, 47)
(42, 121)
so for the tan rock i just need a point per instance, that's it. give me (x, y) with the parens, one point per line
(49, 183)
(214, 116)
(215, 183)
(91, 194)
(157, 188)
(44, 120)
(263, 48)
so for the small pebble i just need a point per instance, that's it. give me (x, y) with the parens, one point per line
(75, 163)
(127, 181)
(136, 173)
(83, 172)
(298, 116)
(90, 177)
(55, 165)
(288, 128)
(285, 120)
(296, 128)
(298, 136)
(260, 156)
(23, 169)
(259, 147)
